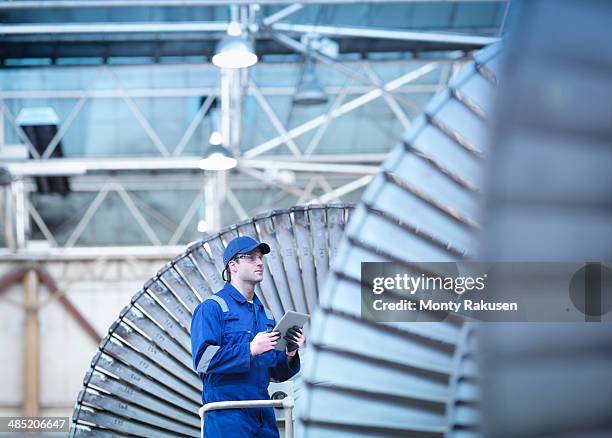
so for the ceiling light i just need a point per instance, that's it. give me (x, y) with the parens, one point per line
(234, 50)
(202, 226)
(217, 157)
(215, 138)
(234, 29)
(309, 90)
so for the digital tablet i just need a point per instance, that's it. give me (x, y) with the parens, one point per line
(288, 320)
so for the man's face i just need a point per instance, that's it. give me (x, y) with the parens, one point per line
(248, 267)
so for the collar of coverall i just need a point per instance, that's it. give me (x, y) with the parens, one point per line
(235, 294)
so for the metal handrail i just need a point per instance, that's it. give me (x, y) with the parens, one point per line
(287, 403)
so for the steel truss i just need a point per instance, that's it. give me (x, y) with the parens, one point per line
(296, 175)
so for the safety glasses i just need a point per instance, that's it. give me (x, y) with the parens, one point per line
(250, 258)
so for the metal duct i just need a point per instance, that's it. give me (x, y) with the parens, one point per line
(140, 382)
(406, 379)
(41, 126)
(550, 199)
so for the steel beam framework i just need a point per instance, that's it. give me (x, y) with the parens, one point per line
(343, 31)
(284, 136)
(140, 211)
(337, 31)
(299, 175)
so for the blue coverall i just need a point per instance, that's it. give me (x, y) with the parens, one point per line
(221, 331)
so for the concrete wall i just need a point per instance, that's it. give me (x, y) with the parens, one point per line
(99, 290)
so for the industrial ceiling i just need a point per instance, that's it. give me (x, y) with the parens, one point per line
(134, 99)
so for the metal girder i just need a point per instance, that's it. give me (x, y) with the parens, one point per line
(163, 252)
(216, 192)
(236, 205)
(340, 67)
(137, 215)
(97, 202)
(200, 45)
(42, 226)
(341, 31)
(318, 136)
(208, 26)
(149, 130)
(333, 195)
(214, 199)
(71, 166)
(261, 176)
(342, 109)
(204, 91)
(188, 216)
(298, 47)
(284, 137)
(55, 141)
(394, 106)
(273, 117)
(20, 223)
(70, 28)
(283, 13)
(231, 94)
(89, 214)
(25, 4)
(310, 166)
(346, 173)
(109, 45)
(194, 124)
(7, 207)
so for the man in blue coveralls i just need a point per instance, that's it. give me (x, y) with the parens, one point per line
(233, 346)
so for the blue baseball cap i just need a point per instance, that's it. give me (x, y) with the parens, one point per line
(243, 245)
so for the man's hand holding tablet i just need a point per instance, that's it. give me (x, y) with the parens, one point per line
(290, 329)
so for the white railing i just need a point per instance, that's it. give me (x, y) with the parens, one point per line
(286, 403)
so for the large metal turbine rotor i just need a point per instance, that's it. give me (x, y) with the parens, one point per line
(361, 378)
(141, 381)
